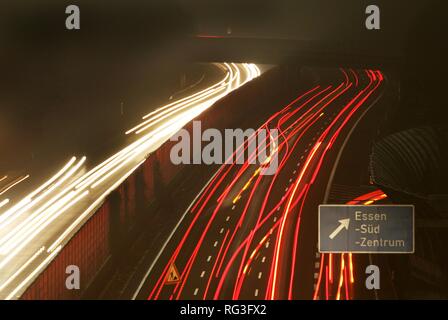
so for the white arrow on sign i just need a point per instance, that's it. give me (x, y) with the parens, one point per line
(343, 224)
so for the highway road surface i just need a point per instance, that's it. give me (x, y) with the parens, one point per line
(252, 236)
(36, 223)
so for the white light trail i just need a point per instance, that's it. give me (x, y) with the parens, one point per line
(25, 223)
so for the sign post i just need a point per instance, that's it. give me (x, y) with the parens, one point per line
(366, 229)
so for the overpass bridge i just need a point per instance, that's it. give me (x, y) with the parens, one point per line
(212, 48)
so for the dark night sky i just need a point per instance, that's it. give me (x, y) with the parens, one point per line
(132, 22)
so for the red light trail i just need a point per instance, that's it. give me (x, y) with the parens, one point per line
(243, 236)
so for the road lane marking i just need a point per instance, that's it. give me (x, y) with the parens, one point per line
(170, 236)
(202, 274)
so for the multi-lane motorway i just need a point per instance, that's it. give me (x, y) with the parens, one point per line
(253, 236)
(36, 223)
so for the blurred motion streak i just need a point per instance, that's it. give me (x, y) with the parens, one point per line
(47, 216)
